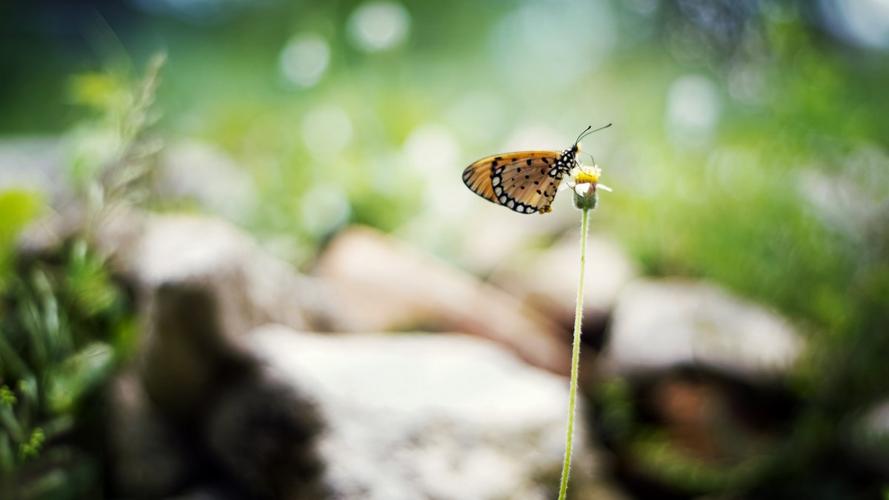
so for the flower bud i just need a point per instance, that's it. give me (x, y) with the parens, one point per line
(585, 196)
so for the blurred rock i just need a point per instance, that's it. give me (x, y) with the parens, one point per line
(659, 324)
(251, 287)
(486, 235)
(32, 163)
(381, 284)
(187, 357)
(148, 251)
(259, 431)
(147, 460)
(548, 279)
(201, 285)
(210, 492)
(666, 427)
(717, 418)
(877, 419)
(868, 442)
(431, 416)
(491, 234)
(264, 432)
(206, 174)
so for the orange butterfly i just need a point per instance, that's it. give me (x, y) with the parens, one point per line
(524, 181)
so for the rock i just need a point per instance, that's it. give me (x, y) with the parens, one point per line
(252, 288)
(548, 279)
(430, 416)
(868, 442)
(206, 174)
(381, 284)
(147, 460)
(186, 357)
(33, 163)
(210, 491)
(659, 324)
(876, 420)
(264, 432)
(492, 234)
(664, 427)
(259, 431)
(202, 285)
(148, 251)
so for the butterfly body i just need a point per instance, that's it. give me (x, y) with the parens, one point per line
(524, 181)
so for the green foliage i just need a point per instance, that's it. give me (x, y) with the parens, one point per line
(57, 333)
(17, 208)
(64, 324)
(114, 152)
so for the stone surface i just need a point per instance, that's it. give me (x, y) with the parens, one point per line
(382, 284)
(658, 324)
(149, 250)
(263, 431)
(147, 459)
(201, 285)
(206, 174)
(489, 234)
(548, 279)
(33, 163)
(430, 416)
(240, 422)
(186, 355)
(252, 287)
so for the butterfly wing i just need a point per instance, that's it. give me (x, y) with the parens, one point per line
(525, 182)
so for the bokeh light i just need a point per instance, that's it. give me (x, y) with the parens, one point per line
(377, 26)
(304, 60)
(693, 107)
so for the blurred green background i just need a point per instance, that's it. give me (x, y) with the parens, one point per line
(749, 146)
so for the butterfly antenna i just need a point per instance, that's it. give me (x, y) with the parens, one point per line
(587, 132)
(579, 137)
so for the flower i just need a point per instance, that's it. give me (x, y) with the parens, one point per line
(584, 181)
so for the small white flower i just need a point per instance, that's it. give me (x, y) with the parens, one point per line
(583, 189)
(584, 181)
(583, 178)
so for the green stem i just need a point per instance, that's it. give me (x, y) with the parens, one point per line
(575, 356)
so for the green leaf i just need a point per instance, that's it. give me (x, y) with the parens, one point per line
(88, 283)
(7, 460)
(7, 397)
(77, 375)
(31, 448)
(17, 208)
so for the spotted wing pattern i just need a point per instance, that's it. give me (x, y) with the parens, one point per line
(525, 182)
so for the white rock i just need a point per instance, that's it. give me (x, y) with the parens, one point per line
(658, 324)
(548, 279)
(191, 169)
(250, 286)
(429, 416)
(381, 284)
(489, 234)
(33, 163)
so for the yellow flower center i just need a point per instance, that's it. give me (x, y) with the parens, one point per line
(585, 177)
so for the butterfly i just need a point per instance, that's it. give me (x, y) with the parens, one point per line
(524, 181)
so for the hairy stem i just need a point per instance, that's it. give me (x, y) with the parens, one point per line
(575, 356)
